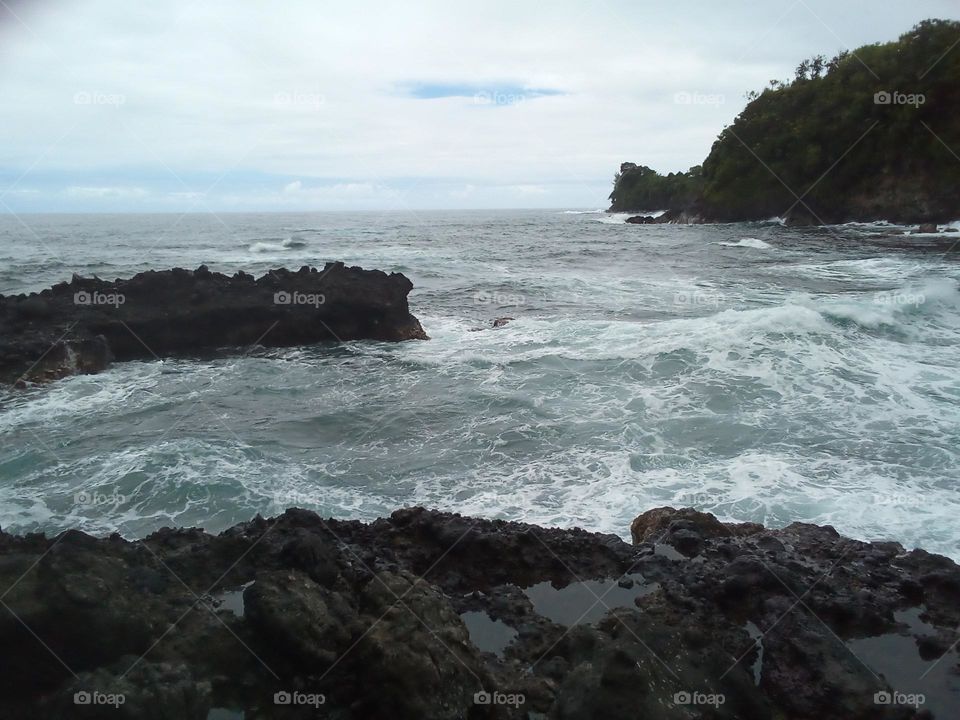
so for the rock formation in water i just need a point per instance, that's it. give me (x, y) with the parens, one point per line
(433, 615)
(81, 326)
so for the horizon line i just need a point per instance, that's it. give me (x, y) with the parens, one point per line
(8, 213)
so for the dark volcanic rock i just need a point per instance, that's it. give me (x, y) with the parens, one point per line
(434, 615)
(800, 216)
(301, 619)
(80, 326)
(688, 216)
(495, 323)
(663, 524)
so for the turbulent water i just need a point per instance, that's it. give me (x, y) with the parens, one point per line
(759, 372)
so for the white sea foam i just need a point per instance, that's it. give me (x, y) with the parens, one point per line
(871, 224)
(637, 449)
(818, 386)
(747, 242)
(293, 242)
(129, 386)
(601, 489)
(887, 268)
(621, 218)
(265, 247)
(614, 218)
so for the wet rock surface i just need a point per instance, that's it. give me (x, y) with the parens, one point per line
(687, 216)
(83, 325)
(434, 615)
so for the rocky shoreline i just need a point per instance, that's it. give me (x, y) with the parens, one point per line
(434, 615)
(83, 325)
(694, 211)
(691, 217)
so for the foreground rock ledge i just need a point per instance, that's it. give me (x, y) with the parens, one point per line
(81, 326)
(433, 615)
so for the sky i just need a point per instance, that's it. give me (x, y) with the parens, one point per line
(187, 106)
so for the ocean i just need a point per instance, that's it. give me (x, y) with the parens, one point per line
(755, 371)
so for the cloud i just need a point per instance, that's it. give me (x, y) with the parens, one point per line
(111, 193)
(529, 189)
(480, 94)
(464, 192)
(401, 105)
(297, 195)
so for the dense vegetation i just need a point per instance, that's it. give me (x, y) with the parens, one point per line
(637, 187)
(873, 133)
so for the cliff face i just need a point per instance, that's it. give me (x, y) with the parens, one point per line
(432, 615)
(868, 135)
(83, 325)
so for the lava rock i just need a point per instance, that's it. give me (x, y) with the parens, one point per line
(370, 617)
(83, 325)
(301, 618)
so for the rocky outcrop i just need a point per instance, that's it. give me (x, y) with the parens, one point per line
(83, 325)
(670, 217)
(433, 615)
(899, 206)
(495, 324)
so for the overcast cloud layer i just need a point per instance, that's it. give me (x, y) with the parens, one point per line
(111, 105)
